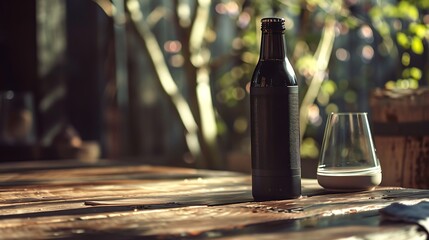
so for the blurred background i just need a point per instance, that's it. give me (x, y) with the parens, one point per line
(167, 82)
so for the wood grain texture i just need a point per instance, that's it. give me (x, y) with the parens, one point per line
(400, 120)
(136, 201)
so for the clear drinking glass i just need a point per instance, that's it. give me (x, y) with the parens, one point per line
(348, 161)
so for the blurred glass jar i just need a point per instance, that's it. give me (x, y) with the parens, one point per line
(17, 118)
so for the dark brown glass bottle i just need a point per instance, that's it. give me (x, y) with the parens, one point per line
(276, 165)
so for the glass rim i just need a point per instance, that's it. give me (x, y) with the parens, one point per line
(349, 113)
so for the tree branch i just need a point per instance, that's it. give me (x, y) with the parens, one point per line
(322, 55)
(165, 78)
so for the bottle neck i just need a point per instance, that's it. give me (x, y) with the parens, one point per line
(273, 46)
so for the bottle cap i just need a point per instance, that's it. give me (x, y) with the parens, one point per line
(273, 24)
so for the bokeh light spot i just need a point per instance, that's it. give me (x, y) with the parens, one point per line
(366, 32)
(331, 108)
(367, 53)
(177, 60)
(172, 46)
(342, 54)
(240, 125)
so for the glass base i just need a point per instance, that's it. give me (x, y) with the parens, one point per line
(346, 183)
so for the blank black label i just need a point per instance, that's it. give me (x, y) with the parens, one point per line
(275, 131)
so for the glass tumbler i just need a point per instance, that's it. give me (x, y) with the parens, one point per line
(347, 160)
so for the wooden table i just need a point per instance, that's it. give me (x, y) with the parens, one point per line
(44, 200)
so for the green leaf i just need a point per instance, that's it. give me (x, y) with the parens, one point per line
(383, 28)
(416, 73)
(417, 46)
(390, 85)
(414, 84)
(407, 10)
(350, 96)
(375, 12)
(402, 40)
(329, 87)
(418, 29)
(405, 60)
(412, 73)
(413, 13)
(406, 73)
(309, 148)
(390, 11)
(306, 64)
(352, 22)
(424, 4)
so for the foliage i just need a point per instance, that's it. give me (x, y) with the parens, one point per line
(405, 30)
(340, 50)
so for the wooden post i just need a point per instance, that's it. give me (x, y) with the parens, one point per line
(400, 120)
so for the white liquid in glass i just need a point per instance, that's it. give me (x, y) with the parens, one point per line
(349, 178)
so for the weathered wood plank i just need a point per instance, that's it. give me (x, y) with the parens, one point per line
(123, 202)
(401, 132)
